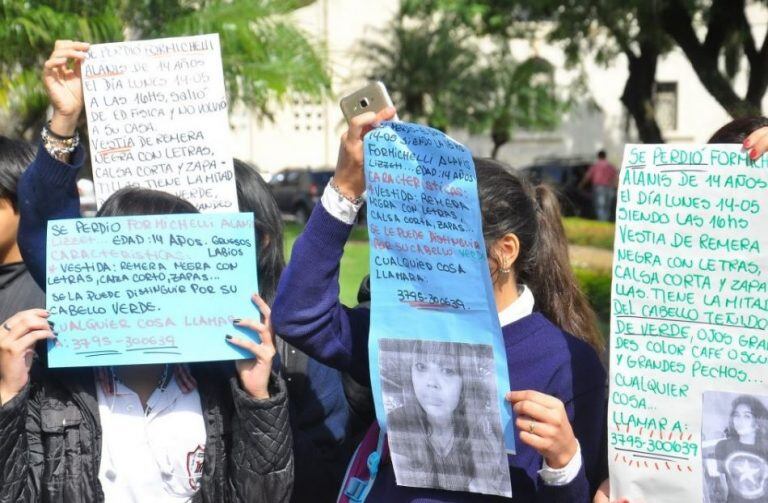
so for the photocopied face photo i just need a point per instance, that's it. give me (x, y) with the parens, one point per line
(735, 447)
(443, 421)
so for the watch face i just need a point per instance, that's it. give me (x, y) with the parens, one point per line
(747, 474)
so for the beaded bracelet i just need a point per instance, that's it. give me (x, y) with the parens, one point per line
(56, 145)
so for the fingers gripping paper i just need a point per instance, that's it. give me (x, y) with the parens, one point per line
(157, 119)
(437, 358)
(688, 416)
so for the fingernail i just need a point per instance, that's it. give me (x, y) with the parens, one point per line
(228, 337)
(236, 321)
(753, 154)
(747, 143)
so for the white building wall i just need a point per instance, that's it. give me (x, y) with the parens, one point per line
(307, 134)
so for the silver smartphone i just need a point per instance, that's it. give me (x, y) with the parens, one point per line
(371, 98)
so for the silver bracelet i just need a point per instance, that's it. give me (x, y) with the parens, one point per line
(357, 201)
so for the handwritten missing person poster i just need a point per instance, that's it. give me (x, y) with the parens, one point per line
(438, 364)
(688, 414)
(157, 118)
(149, 289)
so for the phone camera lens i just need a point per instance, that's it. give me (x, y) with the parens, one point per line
(364, 103)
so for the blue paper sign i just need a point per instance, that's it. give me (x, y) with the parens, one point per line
(149, 289)
(436, 350)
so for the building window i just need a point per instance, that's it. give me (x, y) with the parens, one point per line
(666, 105)
(307, 114)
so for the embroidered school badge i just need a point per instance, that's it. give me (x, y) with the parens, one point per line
(195, 466)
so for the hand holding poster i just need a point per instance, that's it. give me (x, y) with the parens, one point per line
(434, 317)
(688, 416)
(148, 289)
(157, 118)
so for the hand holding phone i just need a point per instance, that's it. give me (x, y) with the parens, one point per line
(370, 98)
(349, 177)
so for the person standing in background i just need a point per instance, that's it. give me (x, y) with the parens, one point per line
(604, 178)
(18, 290)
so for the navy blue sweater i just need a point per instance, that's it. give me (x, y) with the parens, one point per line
(540, 357)
(321, 420)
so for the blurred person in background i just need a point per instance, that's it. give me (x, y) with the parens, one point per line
(604, 178)
(18, 291)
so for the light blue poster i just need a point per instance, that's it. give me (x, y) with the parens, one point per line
(437, 358)
(149, 289)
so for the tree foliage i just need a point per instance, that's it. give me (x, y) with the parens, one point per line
(430, 70)
(265, 56)
(641, 30)
(716, 58)
(437, 73)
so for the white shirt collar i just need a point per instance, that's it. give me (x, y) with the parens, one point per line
(520, 308)
(154, 457)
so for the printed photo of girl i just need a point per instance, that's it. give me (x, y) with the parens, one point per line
(442, 416)
(735, 448)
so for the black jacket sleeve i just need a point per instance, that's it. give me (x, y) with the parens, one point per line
(21, 456)
(261, 468)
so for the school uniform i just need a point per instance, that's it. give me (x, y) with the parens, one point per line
(323, 414)
(540, 357)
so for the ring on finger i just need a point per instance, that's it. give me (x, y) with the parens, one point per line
(531, 427)
(5, 326)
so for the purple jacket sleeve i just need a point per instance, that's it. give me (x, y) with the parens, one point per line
(576, 491)
(582, 388)
(307, 312)
(47, 191)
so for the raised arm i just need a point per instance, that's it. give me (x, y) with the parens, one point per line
(261, 465)
(307, 311)
(261, 469)
(48, 188)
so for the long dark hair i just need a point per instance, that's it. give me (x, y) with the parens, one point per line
(134, 201)
(759, 415)
(737, 130)
(15, 156)
(470, 417)
(254, 195)
(431, 350)
(509, 204)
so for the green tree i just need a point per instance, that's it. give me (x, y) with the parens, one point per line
(717, 57)
(641, 30)
(430, 70)
(605, 28)
(266, 58)
(437, 74)
(520, 96)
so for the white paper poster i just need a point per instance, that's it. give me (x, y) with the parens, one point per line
(688, 411)
(157, 119)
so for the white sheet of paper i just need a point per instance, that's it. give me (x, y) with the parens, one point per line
(157, 118)
(688, 323)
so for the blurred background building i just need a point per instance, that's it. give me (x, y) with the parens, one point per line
(305, 132)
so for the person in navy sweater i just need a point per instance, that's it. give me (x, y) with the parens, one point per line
(323, 417)
(549, 329)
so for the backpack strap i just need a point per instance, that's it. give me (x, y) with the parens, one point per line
(362, 470)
